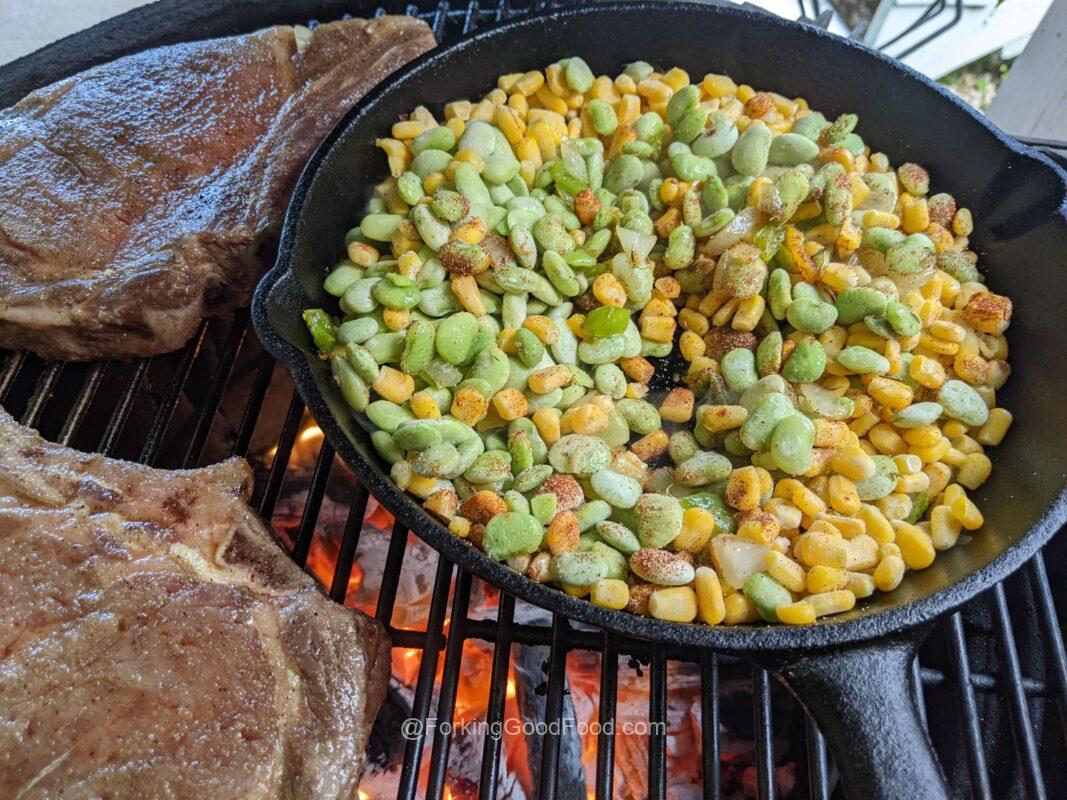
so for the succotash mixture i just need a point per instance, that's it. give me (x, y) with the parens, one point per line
(531, 252)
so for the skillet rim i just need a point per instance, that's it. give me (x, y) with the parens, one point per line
(779, 639)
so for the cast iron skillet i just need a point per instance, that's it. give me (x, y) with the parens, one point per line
(851, 671)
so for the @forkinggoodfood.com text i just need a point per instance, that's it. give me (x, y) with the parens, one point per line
(413, 727)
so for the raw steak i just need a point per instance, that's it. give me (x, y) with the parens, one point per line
(141, 195)
(156, 642)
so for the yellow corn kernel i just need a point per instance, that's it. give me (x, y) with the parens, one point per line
(806, 500)
(460, 527)
(698, 524)
(853, 463)
(962, 223)
(826, 579)
(469, 406)
(422, 487)
(748, 313)
(545, 380)
(940, 474)
(860, 584)
(880, 219)
(817, 547)
(916, 216)
(914, 483)
(610, 593)
(394, 385)
(694, 321)
(407, 129)
(894, 506)
(423, 406)
(543, 328)
(362, 254)
(691, 345)
(878, 527)
(710, 605)
(396, 319)
(996, 426)
(654, 90)
(848, 527)
(886, 440)
(550, 101)
(397, 155)
(743, 489)
(923, 436)
(510, 404)
(944, 528)
(472, 232)
(547, 422)
(843, 495)
(967, 513)
(889, 573)
(658, 329)
(676, 604)
(465, 288)
(785, 570)
(927, 372)
(915, 545)
(907, 463)
(432, 182)
(609, 291)
(718, 85)
(459, 109)
(788, 515)
(892, 394)
(929, 455)
(588, 419)
(862, 553)
(832, 602)
(509, 124)
(529, 83)
(738, 610)
(678, 405)
(676, 78)
(722, 418)
(799, 613)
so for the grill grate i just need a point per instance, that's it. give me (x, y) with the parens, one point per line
(997, 667)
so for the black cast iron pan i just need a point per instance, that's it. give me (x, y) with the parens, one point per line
(851, 671)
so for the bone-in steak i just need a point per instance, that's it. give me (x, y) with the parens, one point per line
(156, 642)
(141, 195)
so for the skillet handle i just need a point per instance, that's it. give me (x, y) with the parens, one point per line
(864, 701)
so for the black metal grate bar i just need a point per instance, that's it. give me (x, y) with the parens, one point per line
(420, 706)
(286, 440)
(446, 700)
(210, 404)
(657, 717)
(605, 748)
(127, 398)
(1021, 727)
(41, 394)
(81, 403)
(709, 725)
(557, 663)
(818, 777)
(254, 405)
(1051, 634)
(394, 563)
(12, 365)
(764, 736)
(968, 686)
(498, 686)
(317, 490)
(170, 400)
(349, 542)
(980, 788)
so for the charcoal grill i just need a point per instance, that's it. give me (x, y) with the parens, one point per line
(993, 678)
